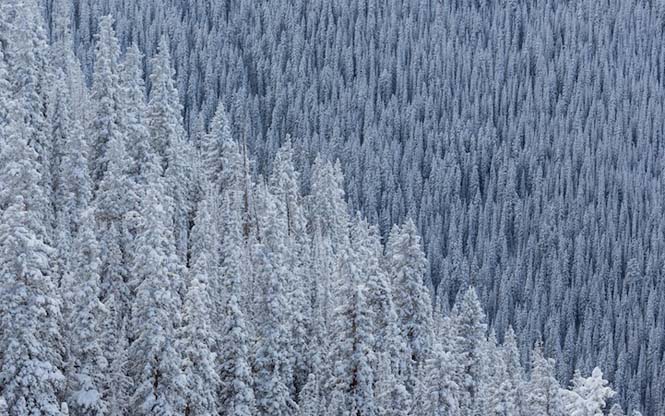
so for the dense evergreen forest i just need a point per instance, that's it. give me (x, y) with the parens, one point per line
(332, 207)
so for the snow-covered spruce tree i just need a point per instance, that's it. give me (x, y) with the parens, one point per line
(105, 125)
(116, 195)
(233, 264)
(406, 264)
(616, 410)
(328, 223)
(351, 358)
(492, 394)
(31, 379)
(588, 396)
(442, 392)
(220, 154)
(29, 77)
(391, 395)
(168, 139)
(274, 354)
(284, 185)
(115, 328)
(72, 183)
(326, 205)
(133, 116)
(196, 338)
(543, 390)
(156, 365)
(116, 204)
(469, 333)
(236, 394)
(389, 345)
(514, 382)
(87, 361)
(309, 400)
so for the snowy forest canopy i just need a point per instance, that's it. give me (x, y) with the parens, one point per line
(198, 202)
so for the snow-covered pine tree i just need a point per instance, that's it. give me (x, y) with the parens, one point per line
(116, 204)
(273, 360)
(492, 396)
(133, 116)
(30, 81)
(326, 205)
(31, 362)
(388, 340)
(105, 125)
(284, 185)
(514, 382)
(543, 390)
(588, 396)
(88, 364)
(392, 397)
(406, 264)
(469, 332)
(442, 392)
(236, 394)
(164, 117)
(220, 154)
(310, 402)
(196, 337)
(156, 365)
(351, 358)
(72, 184)
(328, 224)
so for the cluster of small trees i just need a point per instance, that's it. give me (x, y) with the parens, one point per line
(142, 274)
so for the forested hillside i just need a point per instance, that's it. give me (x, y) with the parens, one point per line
(199, 202)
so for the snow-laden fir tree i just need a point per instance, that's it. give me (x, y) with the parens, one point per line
(391, 395)
(220, 154)
(351, 358)
(72, 184)
(588, 395)
(30, 370)
(196, 337)
(105, 127)
(88, 365)
(156, 364)
(29, 77)
(273, 359)
(406, 264)
(328, 223)
(236, 394)
(442, 392)
(513, 383)
(116, 206)
(388, 344)
(543, 391)
(133, 115)
(469, 332)
(168, 140)
(284, 185)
